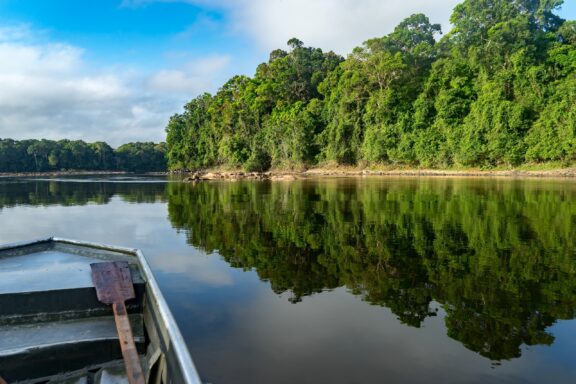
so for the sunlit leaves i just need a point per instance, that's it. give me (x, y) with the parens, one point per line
(492, 92)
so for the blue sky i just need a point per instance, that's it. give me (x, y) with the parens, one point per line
(142, 33)
(115, 70)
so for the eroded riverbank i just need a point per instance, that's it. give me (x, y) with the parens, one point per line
(287, 175)
(354, 172)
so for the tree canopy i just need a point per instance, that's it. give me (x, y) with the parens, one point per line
(496, 90)
(48, 155)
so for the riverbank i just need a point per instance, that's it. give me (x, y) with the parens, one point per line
(233, 175)
(217, 174)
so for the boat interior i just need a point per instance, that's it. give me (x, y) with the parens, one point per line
(53, 329)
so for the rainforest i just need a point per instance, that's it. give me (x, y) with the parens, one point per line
(67, 155)
(497, 90)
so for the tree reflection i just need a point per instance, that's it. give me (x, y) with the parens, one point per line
(46, 193)
(498, 255)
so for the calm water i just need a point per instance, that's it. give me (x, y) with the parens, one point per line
(341, 281)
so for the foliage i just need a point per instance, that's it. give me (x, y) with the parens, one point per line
(496, 90)
(271, 119)
(141, 157)
(47, 155)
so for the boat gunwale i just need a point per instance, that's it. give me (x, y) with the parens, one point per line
(185, 362)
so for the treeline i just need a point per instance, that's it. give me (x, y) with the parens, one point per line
(498, 89)
(47, 155)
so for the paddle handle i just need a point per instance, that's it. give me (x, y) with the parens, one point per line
(129, 352)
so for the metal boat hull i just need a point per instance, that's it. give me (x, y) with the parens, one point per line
(54, 330)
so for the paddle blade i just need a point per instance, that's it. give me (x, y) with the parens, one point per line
(113, 281)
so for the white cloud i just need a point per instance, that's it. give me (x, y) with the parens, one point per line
(337, 25)
(176, 81)
(208, 65)
(52, 58)
(195, 77)
(48, 90)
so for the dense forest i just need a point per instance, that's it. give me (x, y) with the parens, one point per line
(499, 89)
(47, 155)
(496, 255)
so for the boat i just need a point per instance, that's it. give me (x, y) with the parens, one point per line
(54, 330)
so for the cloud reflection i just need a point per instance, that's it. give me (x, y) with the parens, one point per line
(142, 226)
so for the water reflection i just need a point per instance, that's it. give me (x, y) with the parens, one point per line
(70, 192)
(490, 263)
(498, 256)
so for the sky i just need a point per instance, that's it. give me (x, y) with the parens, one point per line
(116, 70)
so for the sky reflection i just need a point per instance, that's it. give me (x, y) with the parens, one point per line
(240, 331)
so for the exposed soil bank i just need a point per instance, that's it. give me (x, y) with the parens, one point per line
(351, 172)
(316, 172)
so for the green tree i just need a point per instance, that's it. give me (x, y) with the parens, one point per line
(493, 91)
(553, 136)
(141, 157)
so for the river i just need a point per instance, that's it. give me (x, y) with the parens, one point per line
(353, 280)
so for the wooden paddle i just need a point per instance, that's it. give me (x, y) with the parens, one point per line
(113, 284)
